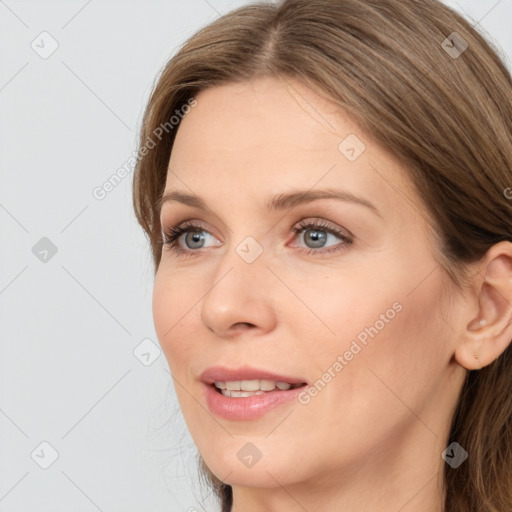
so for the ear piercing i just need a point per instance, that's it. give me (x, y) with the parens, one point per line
(477, 361)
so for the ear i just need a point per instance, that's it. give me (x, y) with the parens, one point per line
(489, 332)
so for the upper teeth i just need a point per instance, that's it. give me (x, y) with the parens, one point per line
(253, 385)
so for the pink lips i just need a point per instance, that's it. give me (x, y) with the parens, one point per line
(251, 407)
(220, 373)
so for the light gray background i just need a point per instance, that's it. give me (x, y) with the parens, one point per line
(69, 326)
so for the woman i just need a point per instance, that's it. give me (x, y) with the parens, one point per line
(332, 239)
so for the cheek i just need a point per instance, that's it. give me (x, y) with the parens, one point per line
(372, 332)
(174, 317)
(343, 311)
(173, 314)
(391, 347)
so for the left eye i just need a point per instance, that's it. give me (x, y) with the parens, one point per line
(315, 232)
(318, 231)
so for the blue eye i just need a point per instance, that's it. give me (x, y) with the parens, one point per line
(315, 232)
(193, 235)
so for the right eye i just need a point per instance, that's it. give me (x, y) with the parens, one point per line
(194, 234)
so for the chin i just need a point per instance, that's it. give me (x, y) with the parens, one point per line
(250, 462)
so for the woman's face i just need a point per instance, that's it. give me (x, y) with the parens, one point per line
(351, 304)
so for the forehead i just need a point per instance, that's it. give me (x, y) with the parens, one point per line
(269, 135)
(267, 114)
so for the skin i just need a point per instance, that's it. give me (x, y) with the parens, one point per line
(372, 438)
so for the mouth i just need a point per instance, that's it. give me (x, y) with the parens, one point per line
(245, 388)
(248, 393)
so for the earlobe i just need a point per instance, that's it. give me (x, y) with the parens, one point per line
(489, 332)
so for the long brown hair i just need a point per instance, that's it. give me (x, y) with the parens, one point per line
(432, 90)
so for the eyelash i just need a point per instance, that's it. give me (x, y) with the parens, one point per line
(173, 233)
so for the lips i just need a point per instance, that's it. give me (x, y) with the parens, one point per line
(236, 405)
(223, 374)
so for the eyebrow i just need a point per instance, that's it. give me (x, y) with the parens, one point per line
(277, 202)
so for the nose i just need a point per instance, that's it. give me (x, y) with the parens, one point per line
(240, 297)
